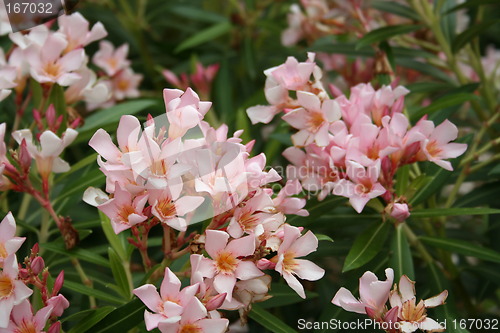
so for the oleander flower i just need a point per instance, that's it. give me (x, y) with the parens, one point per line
(9, 243)
(23, 320)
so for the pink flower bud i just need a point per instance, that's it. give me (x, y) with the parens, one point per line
(24, 157)
(59, 303)
(215, 302)
(265, 264)
(23, 273)
(35, 249)
(55, 327)
(37, 265)
(400, 212)
(58, 283)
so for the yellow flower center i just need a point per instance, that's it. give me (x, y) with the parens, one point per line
(289, 263)
(166, 208)
(25, 327)
(124, 213)
(122, 85)
(226, 262)
(315, 121)
(433, 149)
(190, 328)
(248, 221)
(52, 69)
(6, 286)
(413, 312)
(3, 251)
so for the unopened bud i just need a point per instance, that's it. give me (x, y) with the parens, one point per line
(58, 283)
(50, 115)
(23, 273)
(216, 302)
(55, 327)
(400, 212)
(24, 157)
(35, 249)
(37, 265)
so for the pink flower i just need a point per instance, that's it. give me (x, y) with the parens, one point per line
(293, 75)
(8, 76)
(58, 303)
(372, 292)
(76, 30)
(437, 147)
(413, 315)
(125, 84)
(286, 203)
(47, 65)
(47, 153)
(124, 210)
(294, 245)
(9, 244)
(12, 290)
(363, 185)
(312, 119)
(194, 319)
(110, 60)
(400, 212)
(88, 89)
(23, 320)
(170, 303)
(168, 206)
(184, 110)
(226, 265)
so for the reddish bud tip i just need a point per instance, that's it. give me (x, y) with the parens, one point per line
(37, 265)
(216, 302)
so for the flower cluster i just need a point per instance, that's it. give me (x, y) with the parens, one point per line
(59, 58)
(17, 311)
(162, 174)
(351, 146)
(405, 315)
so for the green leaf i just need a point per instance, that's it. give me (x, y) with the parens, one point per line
(316, 209)
(111, 115)
(268, 320)
(426, 69)
(473, 3)
(122, 319)
(119, 273)
(396, 8)
(197, 14)
(462, 247)
(204, 36)
(94, 177)
(91, 159)
(81, 289)
(114, 240)
(401, 260)
(321, 237)
(468, 35)
(57, 99)
(419, 213)
(366, 246)
(442, 103)
(92, 318)
(283, 295)
(402, 179)
(384, 33)
(78, 252)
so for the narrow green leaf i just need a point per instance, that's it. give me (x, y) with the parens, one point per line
(468, 35)
(317, 208)
(384, 33)
(396, 8)
(419, 213)
(321, 237)
(283, 295)
(402, 179)
(425, 68)
(78, 252)
(268, 320)
(122, 319)
(119, 273)
(94, 177)
(442, 103)
(79, 288)
(91, 319)
(463, 247)
(473, 3)
(197, 14)
(203, 36)
(91, 159)
(113, 239)
(401, 260)
(366, 246)
(110, 115)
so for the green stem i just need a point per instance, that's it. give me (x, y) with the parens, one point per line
(85, 280)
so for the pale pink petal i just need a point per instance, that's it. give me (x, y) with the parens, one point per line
(215, 241)
(187, 204)
(445, 132)
(307, 270)
(225, 284)
(149, 296)
(436, 300)
(453, 150)
(170, 286)
(7, 227)
(294, 284)
(102, 143)
(261, 113)
(194, 311)
(152, 319)
(348, 302)
(304, 245)
(358, 202)
(430, 325)
(406, 288)
(213, 325)
(247, 270)
(242, 247)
